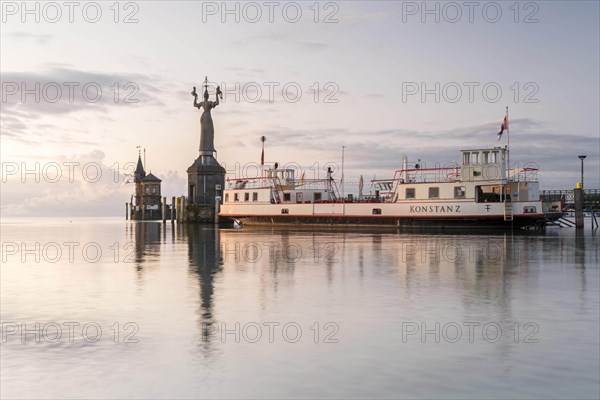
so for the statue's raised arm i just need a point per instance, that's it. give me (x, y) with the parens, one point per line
(219, 94)
(196, 104)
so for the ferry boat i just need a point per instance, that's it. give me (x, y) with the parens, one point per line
(480, 193)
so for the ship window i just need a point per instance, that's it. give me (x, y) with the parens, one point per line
(459, 192)
(147, 190)
(317, 197)
(434, 192)
(236, 197)
(478, 194)
(246, 196)
(153, 189)
(410, 193)
(466, 158)
(376, 211)
(287, 197)
(494, 157)
(486, 157)
(254, 196)
(474, 158)
(226, 197)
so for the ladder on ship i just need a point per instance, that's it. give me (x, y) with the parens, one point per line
(508, 211)
(276, 187)
(508, 206)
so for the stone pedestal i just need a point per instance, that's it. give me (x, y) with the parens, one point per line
(206, 181)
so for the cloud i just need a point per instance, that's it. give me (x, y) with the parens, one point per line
(246, 72)
(61, 90)
(34, 37)
(381, 151)
(76, 185)
(367, 17)
(30, 99)
(280, 39)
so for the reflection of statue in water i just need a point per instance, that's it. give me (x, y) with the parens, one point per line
(207, 130)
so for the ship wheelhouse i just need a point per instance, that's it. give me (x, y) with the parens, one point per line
(482, 177)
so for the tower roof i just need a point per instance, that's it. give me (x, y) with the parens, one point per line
(150, 178)
(139, 170)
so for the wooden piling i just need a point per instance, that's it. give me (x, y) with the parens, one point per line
(173, 210)
(164, 210)
(126, 211)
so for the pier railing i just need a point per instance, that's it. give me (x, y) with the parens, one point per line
(591, 198)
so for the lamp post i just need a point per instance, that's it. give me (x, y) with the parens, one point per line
(263, 139)
(582, 157)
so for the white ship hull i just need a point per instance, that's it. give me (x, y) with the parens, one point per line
(387, 214)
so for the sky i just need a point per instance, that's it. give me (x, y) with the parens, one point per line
(85, 84)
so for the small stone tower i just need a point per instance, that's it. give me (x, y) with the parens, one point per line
(147, 194)
(138, 175)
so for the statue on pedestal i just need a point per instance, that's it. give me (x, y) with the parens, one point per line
(207, 130)
(206, 177)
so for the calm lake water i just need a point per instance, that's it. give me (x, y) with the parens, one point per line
(106, 308)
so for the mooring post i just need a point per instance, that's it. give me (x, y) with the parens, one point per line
(179, 208)
(126, 211)
(182, 209)
(177, 214)
(173, 210)
(578, 198)
(164, 209)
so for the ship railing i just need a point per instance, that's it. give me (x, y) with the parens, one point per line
(267, 182)
(388, 187)
(523, 174)
(426, 175)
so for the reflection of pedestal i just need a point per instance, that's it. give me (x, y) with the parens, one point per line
(204, 254)
(206, 179)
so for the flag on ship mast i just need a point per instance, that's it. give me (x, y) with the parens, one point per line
(503, 127)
